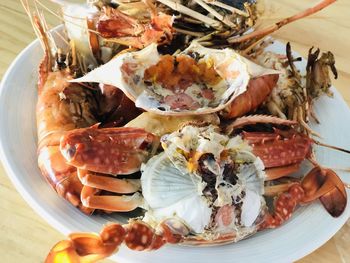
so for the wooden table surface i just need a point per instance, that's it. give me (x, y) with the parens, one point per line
(26, 237)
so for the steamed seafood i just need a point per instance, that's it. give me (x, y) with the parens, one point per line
(212, 179)
(209, 188)
(61, 106)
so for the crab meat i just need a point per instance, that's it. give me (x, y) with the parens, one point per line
(211, 183)
(168, 191)
(161, 125)
(199, 80)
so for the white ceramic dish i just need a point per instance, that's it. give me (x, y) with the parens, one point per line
(308, 229)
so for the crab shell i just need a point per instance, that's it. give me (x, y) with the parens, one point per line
(174, 193)
(161, 124)
(126, 72)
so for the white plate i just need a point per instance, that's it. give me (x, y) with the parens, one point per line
(308, 229)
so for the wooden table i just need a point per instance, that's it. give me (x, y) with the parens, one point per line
(25, 237)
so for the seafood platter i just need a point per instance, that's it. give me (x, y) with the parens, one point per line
(183, 123)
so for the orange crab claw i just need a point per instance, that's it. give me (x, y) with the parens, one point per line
(85, 247)
(99, 155)
(324, 184)
(319, 183)
(137, 235)
(110, 150)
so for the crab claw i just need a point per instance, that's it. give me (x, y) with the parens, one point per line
(86, 247)
(109, 150)
(324, 184)
(137, 235)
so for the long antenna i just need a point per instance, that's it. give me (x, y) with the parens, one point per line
(331, 147)
(62, 19)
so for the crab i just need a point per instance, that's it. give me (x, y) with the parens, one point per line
(209, 186)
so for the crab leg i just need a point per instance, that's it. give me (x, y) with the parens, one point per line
(123, 203)
(93, 184)
(187, 32)
(227, 7)
(319, 183)
(275, 190)
(278, 172)
(137, 235)
(215, 13)
(268, 30)
(285, 205)
(187, 11)
(98, 153)
(253, 119)
(100, 181)
(86, 247)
